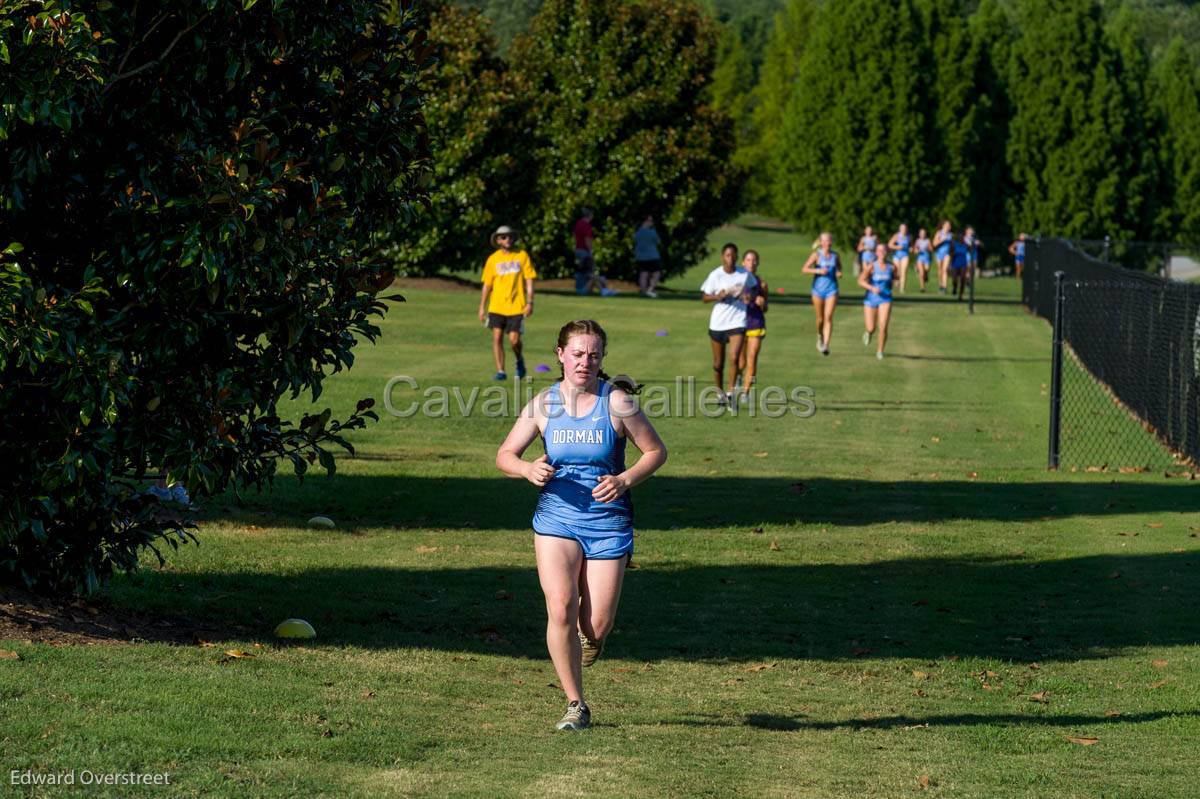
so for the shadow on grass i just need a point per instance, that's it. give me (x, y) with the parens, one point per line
(926, 608)
(764, 721)
(668, 503)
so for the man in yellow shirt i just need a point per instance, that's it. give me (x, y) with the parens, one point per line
(507, 297)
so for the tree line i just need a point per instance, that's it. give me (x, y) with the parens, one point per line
(1065, 117)
(600, 104)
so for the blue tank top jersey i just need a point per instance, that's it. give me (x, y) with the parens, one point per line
(828, 281)
(868, 244)
(581, 450)
(1020, 248)
(755, 318)
(901, 242)
(923, 245)
(881, 278)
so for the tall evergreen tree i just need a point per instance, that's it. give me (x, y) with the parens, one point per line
(992, 35)
(733, 81)
(1073, 140)
(776, 82)
(853, 145)
(965, 135)
(619, 122)
(1177, 87)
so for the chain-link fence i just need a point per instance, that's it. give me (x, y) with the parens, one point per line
(1128, 393)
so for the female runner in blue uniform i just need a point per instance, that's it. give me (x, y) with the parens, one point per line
(924, 256)
(899, 245)
(877, 305)
(943, 243)
(826, 268)
(1017, 248)
(866, 249)
(583, 524)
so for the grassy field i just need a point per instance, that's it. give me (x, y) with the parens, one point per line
(890, 598)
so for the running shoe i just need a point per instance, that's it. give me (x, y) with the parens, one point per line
(577, 717)
(652, 295)
(820, 343)
(591, 649)
(866, 338)
(744, 398)
(942, 290)
(609, 292)
(879, 356)
(500, 376)
(521, 368)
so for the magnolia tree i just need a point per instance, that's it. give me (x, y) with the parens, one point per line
(619, 121)
(193, 198)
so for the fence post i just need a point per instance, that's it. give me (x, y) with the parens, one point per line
(1107, 245)
(1056, 368)
(1166, 267)
(974, 271)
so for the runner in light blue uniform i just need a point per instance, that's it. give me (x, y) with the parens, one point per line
(866, 247)
(924, 256)
(1017, 248)
(825, 266)
(943, 243)
(876, 282)
(584, 520)
(899, 245)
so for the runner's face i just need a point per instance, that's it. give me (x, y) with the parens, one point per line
(881, 252)
(750, 261)
(581, 359)
(729, 257)
(826, 242)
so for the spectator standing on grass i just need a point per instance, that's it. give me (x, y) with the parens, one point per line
(649, 261)
(507, 297)
(583, 525)
(586, 275)
(726, 287)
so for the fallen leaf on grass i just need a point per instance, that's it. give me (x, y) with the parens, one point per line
(1159, 664)
(910, 727)
(972, 475)
(368, 694)
(990, 687)
(924, 782)
(775, 546)
(920, 675)
(1111, 714)
(237, 653)
(732, 681)
(8, 654)
(1154, 525)
(1040, 696)
(623, 670)
(760, 454)
(920, 693)
(1083, 741)
(424, 550)
(935, 439)
(1158, 684)
(761, 666)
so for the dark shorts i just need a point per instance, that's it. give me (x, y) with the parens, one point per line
(722, 336)
(649, 266)
(509, 324)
